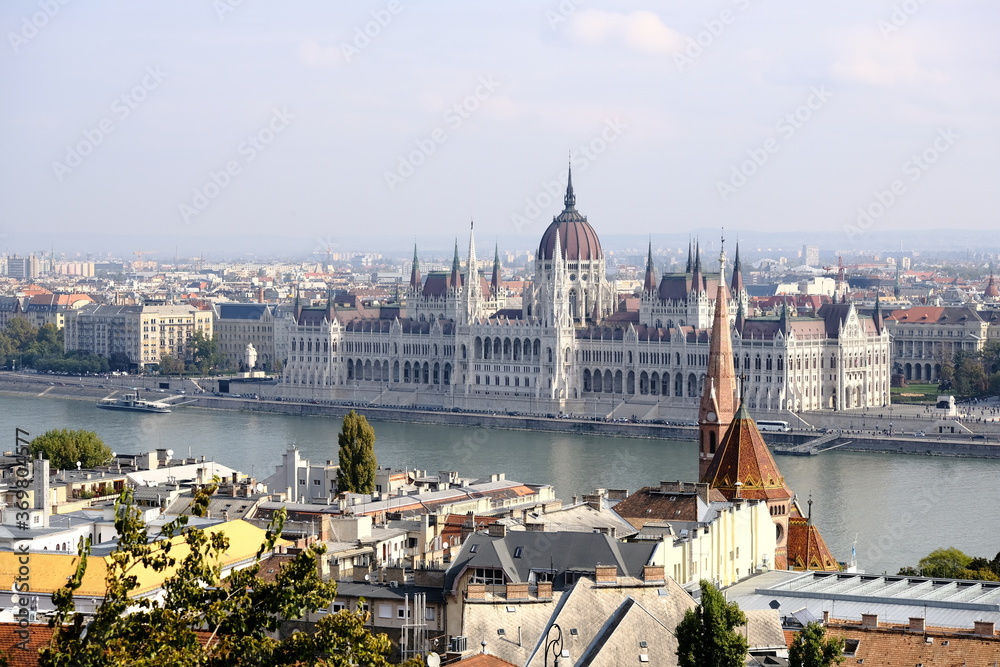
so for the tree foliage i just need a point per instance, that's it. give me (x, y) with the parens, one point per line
(22, 343)
(204, 618)
(706, 637)
(951, 563)
(64, 447)
(205, 353)
(357, 455)
(812, 648)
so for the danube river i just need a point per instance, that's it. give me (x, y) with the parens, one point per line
(897, 507)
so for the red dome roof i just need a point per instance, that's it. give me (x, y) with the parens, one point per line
(577, 238)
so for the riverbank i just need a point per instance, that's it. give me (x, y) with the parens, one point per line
(89, 389)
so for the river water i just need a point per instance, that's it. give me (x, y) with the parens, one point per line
(898, 508)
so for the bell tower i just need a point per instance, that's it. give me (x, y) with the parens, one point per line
(718, 399)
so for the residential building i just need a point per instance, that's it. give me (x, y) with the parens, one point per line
(142, 335)
(240, 324)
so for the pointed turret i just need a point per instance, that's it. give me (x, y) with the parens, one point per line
(570, 199)
(690, 262)
(697, 279)
(455, 279)
(718, 400)
(495, 284)
(473, 287)
(415, 281)
(736, 286)
(649, 283)
(877, 315)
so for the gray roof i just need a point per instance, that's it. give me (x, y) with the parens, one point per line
(242, 311)
(520, 552)
(351, 589)
(951, 603)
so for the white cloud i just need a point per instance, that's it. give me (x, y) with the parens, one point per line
(312, 54)
(639, 31)
(874, 61)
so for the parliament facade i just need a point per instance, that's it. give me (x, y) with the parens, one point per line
(573, 345)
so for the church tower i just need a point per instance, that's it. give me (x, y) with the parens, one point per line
(718, 399)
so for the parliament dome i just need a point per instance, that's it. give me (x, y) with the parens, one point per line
(577, 239)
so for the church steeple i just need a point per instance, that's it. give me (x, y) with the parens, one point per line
(649, 283)
(415, 281)
(718, 400)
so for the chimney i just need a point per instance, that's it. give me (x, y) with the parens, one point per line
(324, 529)
(544, 590)
(653, 573)
(497, 530)
(826, 617)
(475, 592)
(869, 621)
(983, 628)
(606, 574)
(916, 624)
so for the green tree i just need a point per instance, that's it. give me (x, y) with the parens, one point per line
(205, 354)
(970, 378)
(64, 447)
(204, 618)
(706, 637)
(357, 455)
(21, 332)
(812, 648)
(171, 365)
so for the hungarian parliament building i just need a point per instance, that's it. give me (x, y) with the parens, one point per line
(573, 345)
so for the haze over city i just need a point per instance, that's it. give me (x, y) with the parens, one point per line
(197, 121)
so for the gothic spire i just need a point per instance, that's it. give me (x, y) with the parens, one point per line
(718, 401)
(455, 280)
(690, 264)
(495, 282)
(697, 279)
(570, 198)
(649, 284)
(415, 271)
(737, 286)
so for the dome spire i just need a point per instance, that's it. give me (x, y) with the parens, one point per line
(570, 198)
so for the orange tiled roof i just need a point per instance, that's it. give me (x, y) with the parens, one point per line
(894, 647)
(806, 549)
(743, 457)
(38, 636)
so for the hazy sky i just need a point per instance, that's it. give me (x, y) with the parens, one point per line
(327, 119)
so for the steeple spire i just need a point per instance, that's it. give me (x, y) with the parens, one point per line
(697, 279)
(649, 284)
(570, 198)
(473, 288)
(415, 271)
(690, 264)
(718, 401)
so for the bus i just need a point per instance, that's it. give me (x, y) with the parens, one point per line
(773, 425)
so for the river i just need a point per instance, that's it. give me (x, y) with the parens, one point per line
(898, 508)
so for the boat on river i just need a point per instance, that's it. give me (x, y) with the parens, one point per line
(133, 403)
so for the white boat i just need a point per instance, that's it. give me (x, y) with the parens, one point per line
(134, 403)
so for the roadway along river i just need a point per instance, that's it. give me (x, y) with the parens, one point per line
(899, 507)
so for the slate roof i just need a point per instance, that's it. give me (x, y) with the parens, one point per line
(242, 311)
(522, 551)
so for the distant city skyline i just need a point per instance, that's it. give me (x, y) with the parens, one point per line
(197, 122)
